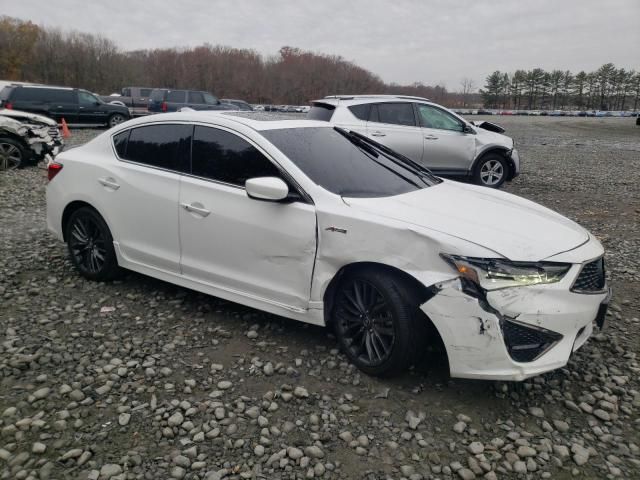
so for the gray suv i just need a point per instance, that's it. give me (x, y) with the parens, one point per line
(427, 133)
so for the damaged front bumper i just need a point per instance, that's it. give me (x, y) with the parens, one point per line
(512, 333)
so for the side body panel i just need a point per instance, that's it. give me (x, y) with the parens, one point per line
(265, 249)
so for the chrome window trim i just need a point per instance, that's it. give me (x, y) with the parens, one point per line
(305, 197)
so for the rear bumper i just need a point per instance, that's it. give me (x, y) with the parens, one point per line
(513, 333)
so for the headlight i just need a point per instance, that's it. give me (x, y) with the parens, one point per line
(495, 273)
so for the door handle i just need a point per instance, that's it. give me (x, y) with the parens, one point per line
(430, 137)
(195, 208)
(378, 134)
(109, 183)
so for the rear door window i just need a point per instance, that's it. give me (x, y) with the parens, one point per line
(321, 111)
(145, 92)
(161, 146)
(225, 157)
(395, 114)
(176, 96)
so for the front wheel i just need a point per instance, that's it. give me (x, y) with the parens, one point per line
(491, 171)
(116, 119)
(12, 154)
(373, 323)
(90, 245)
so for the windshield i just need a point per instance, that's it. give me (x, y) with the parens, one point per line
(349, 165)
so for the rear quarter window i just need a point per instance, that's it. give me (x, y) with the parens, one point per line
(120, 143)
(5, 93)
(361, 112)
(321, 111)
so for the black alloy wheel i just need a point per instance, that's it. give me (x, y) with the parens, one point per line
(374, 323)
(91, 245)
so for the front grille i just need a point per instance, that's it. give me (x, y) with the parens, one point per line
(591, 277)
(524, 343)
(54, 133)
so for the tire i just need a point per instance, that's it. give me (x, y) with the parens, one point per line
(491, 171)
(12, 154)
(90, 245)
(374, 322)
(116, 119)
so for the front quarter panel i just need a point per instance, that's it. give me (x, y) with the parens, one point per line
(348, 235)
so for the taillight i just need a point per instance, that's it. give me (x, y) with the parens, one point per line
(53, 169)
(164, 106)
(8, 106)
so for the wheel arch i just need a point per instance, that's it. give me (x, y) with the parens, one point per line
(503, 152)
(417, 294)
(416, 291)
(16, 138)
(74, 206)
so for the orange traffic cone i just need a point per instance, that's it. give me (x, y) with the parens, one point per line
(65, 130)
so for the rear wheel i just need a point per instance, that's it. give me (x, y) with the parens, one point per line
(491, 171)
(12, 154)
(90, 245)
(374, 323)
(116, 119)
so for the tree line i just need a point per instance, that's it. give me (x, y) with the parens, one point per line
(607, 88)
(32, 53)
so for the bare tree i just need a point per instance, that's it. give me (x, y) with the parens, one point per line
(468, 86)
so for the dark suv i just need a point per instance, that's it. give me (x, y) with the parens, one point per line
(72, 104)
(164, 100)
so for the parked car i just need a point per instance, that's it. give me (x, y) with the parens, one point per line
(237, 104)
(27, 138)
(321, 224)
(74, 105)
(427, 133)
(164, 100)
(136, 99)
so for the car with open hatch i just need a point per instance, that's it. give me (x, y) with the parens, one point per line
(323, 225)
(428, 134)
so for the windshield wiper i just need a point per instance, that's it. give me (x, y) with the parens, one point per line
(368, 149)
(356, 141)
(394, 156)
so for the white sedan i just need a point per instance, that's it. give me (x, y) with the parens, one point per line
(319, 224)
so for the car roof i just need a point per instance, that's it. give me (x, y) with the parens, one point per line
(259, 121)
(348, 100)
(42, 87)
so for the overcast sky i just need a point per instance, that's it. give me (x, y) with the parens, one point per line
(432, 41)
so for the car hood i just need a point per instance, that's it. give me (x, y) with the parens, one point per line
(27, 117)
(486, 137)
(511, 226)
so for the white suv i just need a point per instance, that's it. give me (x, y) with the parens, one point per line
(427, 133)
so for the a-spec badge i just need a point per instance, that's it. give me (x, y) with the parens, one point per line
(336, 229)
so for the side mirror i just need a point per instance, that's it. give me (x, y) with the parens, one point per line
(266, 188)
(468, 129)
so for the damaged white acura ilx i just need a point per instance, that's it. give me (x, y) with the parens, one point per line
(319, 224)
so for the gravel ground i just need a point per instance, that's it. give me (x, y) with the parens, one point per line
(142, 379)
